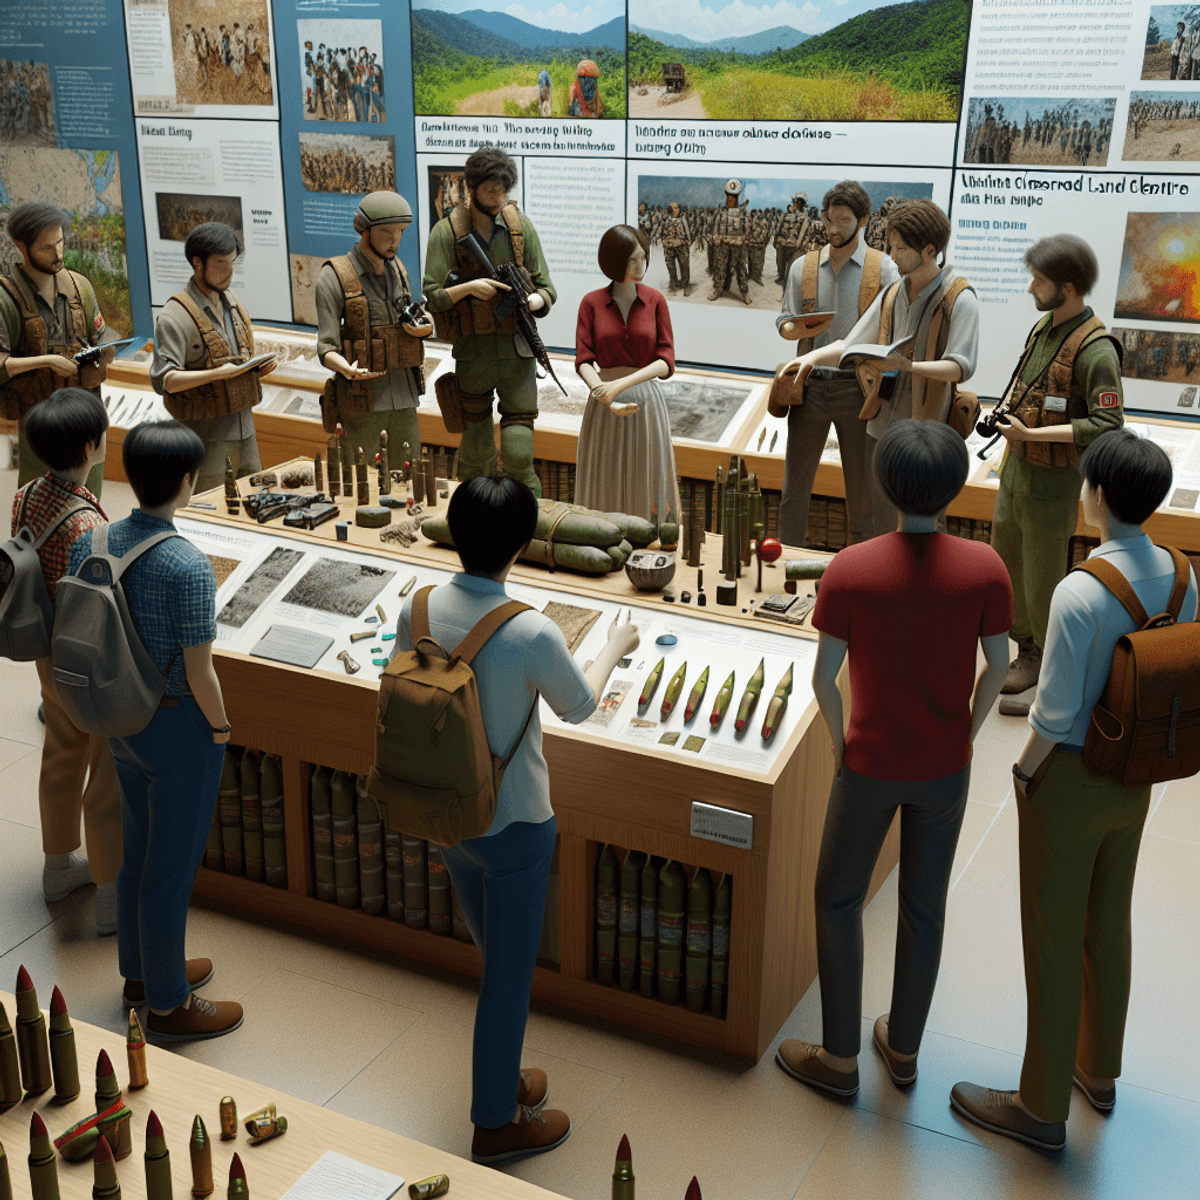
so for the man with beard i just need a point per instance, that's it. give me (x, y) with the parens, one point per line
(843, 278)
(489, 355)
(362, 337)
(1065, 392)
(47, 315)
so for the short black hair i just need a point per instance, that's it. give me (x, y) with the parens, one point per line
(1065, 258)
(490, 163)
(156, 456)
(491, 518)
(60, 428)
(1133, 472)
(208, 239)
(922, 466)
(26, 222)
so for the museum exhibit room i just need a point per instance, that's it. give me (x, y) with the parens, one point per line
(600, 600)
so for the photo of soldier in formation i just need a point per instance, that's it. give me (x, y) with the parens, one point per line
(706, 250)
(341, 70)
(1163, 127)
(26, 104)
(1034, 131)
(347, 162)
(179, 214)
(221, 51)
(1154, 354)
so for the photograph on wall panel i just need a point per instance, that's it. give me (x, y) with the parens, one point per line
(1172, 42)
(342, 76)
(1163, 126)
(1160, 267)
(1038, 131)
(26, 104)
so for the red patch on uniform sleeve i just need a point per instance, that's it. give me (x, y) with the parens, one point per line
(1109, 400)
(99, 323)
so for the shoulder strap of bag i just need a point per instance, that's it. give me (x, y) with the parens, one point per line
(872, 274)
(1116, 583)
(1183, 576)
(512, 218)
(126, 560)
(20, 297)
(48, 533)
(885, 314)
(483, 629)
(212, 336)
(418, 617)
(75, 307)
(808, 281)
(246, 325)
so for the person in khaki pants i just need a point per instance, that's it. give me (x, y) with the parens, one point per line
(67, 431)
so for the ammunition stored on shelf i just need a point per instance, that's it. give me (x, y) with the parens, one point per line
(322, 826)
(750, 697)
(778, 706)
(370, 851)
(431, 1188)
(43, 1167)
(648, 932)
(345, 839)
(239, 1189)
(699, 940)
(229, 805)
(440, 919)
(606, 914)
(722, 702)
(672, 888)
(33, 1045)
(157, 1160)
(274, 847)
(334, 460)
(10, 1070)
(105, 1184)
(697, 696)
(63, 1062)
(393, 873)
(385, 470)
(721, 909)
(671, 698)
(200, 1152)
(227, 1110)
(135, 1052)
(627, 920)
(416, 886)
(622, 1179)
(651, 684)
(252, 815)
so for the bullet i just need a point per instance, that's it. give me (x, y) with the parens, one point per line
(238, 1187)
(200, 1151)
(693, 1190)
(722, 702)
(750, 697)
(5, 1179)
(429, 1189)
(33, 1045)
(228, 1110)
(697, 696)
(333, 460)
(43, 1167)
(115, 1127)
(651, 684)
(135, 1051)
(360, 474)
(385, 472)
(673, 690)
(10, 1071)
(63, 1060)
(622, 1180)
(778, 706)
(105, 1184)
(158, 1161)
(107, 1088)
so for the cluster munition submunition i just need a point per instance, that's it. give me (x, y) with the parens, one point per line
(750, 697)
(135, 1051)
(200, 1152)
(697, 696)
(671, 698)
(33, 1045)
(651, 684)
(63, 1061)
(778, 705)
(722, 702)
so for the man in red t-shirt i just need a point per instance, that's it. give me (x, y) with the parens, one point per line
(910, 607)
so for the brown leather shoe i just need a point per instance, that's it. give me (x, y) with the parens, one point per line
(196, 1021)
(1023, 671)
(536, 1133)
(903, 1073)
(1000, 1112)
(533, 1088)
(1101, 1099)
(800, 1061)
(198, 972)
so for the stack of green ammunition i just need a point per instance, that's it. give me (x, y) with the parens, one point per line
(246, 836)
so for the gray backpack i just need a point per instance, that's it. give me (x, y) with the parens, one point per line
(107, 680)
(26, 612)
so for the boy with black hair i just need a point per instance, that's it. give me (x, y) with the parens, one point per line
(67, 431)
(169, 773)
(1080, 832)
(500, 878)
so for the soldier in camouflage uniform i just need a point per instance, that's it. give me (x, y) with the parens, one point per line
(789, 234)
(757, 237)
(730, 235)
(677, 243)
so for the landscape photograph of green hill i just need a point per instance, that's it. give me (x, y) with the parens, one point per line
(856, 61)
(484, 57)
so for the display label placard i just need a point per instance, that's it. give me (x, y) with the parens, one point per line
(724, 825)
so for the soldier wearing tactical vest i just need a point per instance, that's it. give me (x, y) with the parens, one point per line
(203, 344)
(1064, 393)
(843, 278)
(376, 358)
(489, 356)
(789, 235)
(729, 241)
(47, 315)
(677, 250)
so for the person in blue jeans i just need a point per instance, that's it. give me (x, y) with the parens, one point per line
(170, 772)
(501, 877)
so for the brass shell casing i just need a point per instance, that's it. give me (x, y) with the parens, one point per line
(200, 1150)
(228, 1111)
(158, 1178)
(428, 1189)
(65, 1065)
(262, 1129)
(135, 1052)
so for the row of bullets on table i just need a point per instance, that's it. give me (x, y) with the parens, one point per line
(623, 1182)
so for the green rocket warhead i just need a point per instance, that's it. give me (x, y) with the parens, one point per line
(606, 915)
(778, 706)
(673, 689)
(697, 696)
(63, 1060)
(10, 1071)
(750, 697)
(722, 702)
(648, 931)
(651, 684)
(33, 1045)
(158, 1161)
(200, 1151)
(43, 1166)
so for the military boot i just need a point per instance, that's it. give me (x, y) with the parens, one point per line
(1024, 669)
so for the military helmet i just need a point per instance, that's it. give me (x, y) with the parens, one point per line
(733, 187)
(382, 208)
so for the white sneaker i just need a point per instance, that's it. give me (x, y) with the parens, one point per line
(59, 882)
(106, 909)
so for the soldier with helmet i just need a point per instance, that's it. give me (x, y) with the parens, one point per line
(789, 235)
(363, 336)
(729, 242)
(677, 250)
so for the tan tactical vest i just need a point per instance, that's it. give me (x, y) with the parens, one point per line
(1058, 379)
(868, 288)
(730, 228)
(674, 232)
(19, 394)
(471, 315)
(221, 397)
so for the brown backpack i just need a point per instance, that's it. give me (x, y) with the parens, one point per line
(434, 774)
(1146, 726)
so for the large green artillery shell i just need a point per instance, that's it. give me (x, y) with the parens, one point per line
(158, 1161)
(721, 704)
(697, 696)
(606, 915)
(274, 844)
(672, 899)
(345, 838)
(322, 827)
(229, 805)
(200, 1152)
(778, 705)
(370, 852)
(458, 919)
(214, 858)
(699, 940)
(440, 919)
(648, 932)
(64, 1064)
(393, 873)
(651, 684)
(252, 815)
(721, 909)
(33, 1044)
(416, 885)
(627, 920)
(805, 568)
(750, 697)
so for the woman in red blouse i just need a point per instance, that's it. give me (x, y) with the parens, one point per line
(623, 347)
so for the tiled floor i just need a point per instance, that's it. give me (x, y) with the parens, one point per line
(390, 1042)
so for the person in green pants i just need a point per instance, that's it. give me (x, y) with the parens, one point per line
(490, 356)
(1064, 393)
